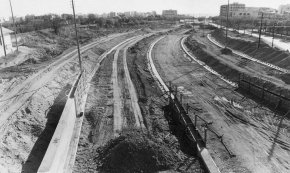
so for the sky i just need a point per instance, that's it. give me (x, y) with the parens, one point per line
(196, 7)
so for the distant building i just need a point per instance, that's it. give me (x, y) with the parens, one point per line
(133, 14)
(169, 13)
(233, 8)
(284, 9)
(112, 14)
(7, 40)
(127, 14)
(268, 13)
(255, 12)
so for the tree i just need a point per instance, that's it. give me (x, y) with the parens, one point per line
(56, 24)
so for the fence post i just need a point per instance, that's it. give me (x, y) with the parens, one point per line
(263, 92)
(175, 92)
(195, 121)
(249, 85)
(205, 136)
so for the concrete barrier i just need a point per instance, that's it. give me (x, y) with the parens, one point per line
(55, 156)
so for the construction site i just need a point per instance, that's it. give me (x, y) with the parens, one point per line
(168, 97)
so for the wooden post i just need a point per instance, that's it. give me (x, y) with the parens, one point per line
(205, 136)
(3, 40)
(263, 92)
(175, 92)
(249, 85)
(240, 78)
(195, 121)
(77, 37)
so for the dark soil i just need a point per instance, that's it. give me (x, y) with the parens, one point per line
(133, 151)
(226, 51)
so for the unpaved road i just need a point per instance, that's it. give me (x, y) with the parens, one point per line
(30, 110)
(112, 105)
(98, 126)
(260, 142)
(122, 83)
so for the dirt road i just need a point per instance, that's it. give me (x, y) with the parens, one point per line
(30, 110)
(135, 87)
(112, 105)
(258, 137)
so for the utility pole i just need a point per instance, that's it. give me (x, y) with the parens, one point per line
(273, 34)
(15, 29)
(260, 30)
(227, 24)
(77, 38)
(3, 41)
(203, 27)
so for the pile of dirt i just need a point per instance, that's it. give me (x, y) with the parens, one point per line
(226, 51)
(264, 53)
(133, 151)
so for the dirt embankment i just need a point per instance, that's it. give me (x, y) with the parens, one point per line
(233, 74)
(265, 53)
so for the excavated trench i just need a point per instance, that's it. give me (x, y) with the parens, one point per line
(234, 74)
(158, 149)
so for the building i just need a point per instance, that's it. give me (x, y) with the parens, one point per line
(169, 13)
(268, 13)
(284, 9)
(127, 14)
(233, 8)
(112, 14)
(7, 40)
(255, 12)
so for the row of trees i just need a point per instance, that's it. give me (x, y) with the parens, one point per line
(33, 23)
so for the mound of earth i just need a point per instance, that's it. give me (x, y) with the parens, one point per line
(133, 151)
(226, 51)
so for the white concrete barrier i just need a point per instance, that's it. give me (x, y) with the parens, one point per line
(57, 151)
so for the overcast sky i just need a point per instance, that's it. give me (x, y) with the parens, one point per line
(197, 7)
